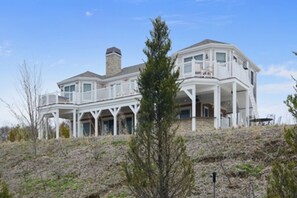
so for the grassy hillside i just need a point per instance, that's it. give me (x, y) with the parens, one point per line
(92, 166)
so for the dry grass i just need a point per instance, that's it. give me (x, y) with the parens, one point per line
(92, 166)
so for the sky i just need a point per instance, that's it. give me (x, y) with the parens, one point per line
(67, 37)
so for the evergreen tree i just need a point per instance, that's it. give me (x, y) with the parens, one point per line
(157, 164)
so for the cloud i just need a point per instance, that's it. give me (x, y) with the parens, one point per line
(4, 51)
(281, 70)
(89, 13)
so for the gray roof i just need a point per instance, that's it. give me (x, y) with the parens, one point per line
(204, 42)
(88, 74)
(129, 70)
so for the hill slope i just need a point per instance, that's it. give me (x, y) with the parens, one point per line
(92, 166)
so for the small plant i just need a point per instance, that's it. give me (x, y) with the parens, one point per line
(252, 170)
(4, 191)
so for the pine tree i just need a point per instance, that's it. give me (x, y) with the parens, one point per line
(157, 164)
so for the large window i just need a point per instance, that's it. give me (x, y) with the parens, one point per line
(188, 65)
(87, 87)
(185, 113)
(107, 127)
(86, 127)
(68, 91)
(205, 111)
(221, 57)
(126, 125)
(132, 86)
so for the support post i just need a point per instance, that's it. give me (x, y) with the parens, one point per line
(234, 105)
(247, 108)
(46, 127)
(80, 115)
(217, 107)
(191, 92)
(74, 123)
(57, 124)
(96, 115)
(194, 108)
(135, 109)
(114, 111)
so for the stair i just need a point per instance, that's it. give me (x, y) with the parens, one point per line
(253, 102)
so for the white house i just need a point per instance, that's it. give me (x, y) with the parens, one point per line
(218, 90)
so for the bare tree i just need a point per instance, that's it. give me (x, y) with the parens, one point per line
(26, 109)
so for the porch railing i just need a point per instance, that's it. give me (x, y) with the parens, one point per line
(113, 92)
(212, 69)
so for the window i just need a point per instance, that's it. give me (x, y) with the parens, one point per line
(132, 86)
(87, 95)
(107, 127)
(86, 127)
(126, 125)
(68, 91)
(252, 77)
(221, 57)
(118, 89)
(185, 113)
(199, 57)
(188, 65)
(205, 111)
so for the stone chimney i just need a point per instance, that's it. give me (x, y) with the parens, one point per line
(113, 61)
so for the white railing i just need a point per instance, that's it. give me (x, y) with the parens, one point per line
(213, 69)
(126, 89)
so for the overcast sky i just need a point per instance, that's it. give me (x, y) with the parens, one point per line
(68, 37)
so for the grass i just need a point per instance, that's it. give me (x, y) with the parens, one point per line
(119, 142)
(68, 181)
(252, 170)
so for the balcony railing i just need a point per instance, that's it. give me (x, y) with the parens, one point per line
(113, 92)
(213, 69)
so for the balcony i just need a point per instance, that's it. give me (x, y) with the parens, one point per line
(97, 95)
(213, 69)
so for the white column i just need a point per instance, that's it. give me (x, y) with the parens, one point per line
(234, 104)
(194, 108)
(80, 133)
(57, 124)
(46, 127)
(74, 123)
(217, 107)
(135, 109)
(191, 92)
(114, 111)
(247, 108)
(95, 115)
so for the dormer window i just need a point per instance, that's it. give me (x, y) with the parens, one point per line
(221, 57)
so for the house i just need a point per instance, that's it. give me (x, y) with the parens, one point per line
(218, 90)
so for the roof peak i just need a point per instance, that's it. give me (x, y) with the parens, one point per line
(205, 42)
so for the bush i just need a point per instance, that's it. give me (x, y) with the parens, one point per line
(18, 133)
(64, 130)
